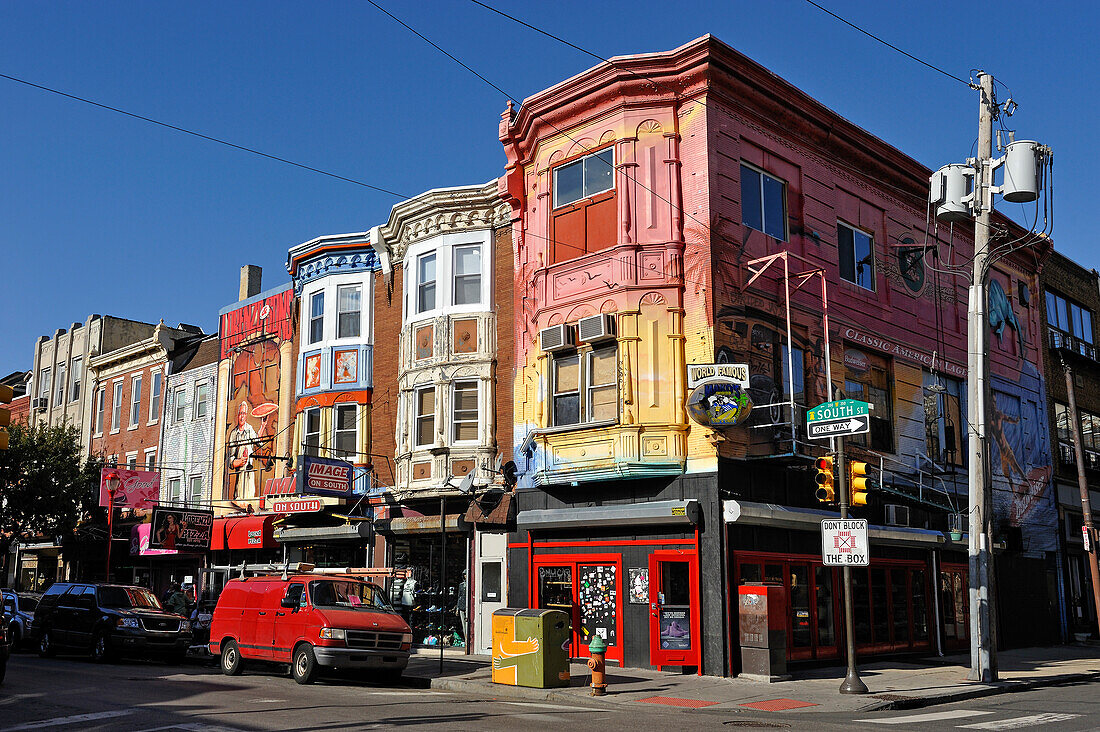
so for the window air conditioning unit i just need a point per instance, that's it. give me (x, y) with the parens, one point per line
(557, 338)
(596, 328)
(897, 515)
(39, 404)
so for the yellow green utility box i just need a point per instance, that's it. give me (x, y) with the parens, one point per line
(529, 647)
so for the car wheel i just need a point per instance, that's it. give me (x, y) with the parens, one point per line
(101, 648)
(303, 666)
(231, 658)
(45, 645)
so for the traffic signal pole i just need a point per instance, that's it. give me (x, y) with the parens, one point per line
(852, 683)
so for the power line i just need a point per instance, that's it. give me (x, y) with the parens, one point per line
(200, 135)
(948, 74)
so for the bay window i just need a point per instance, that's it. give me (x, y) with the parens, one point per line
(344, 440)
(593, 374)
(316, 317)
(348, 308)
(311, 433)
(465, 411)
(425, 283)
(467, 274)
(424, 432)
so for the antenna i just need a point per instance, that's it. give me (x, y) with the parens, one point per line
(498, 463)
(467, 483)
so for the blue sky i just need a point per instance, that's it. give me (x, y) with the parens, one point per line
(100, 213)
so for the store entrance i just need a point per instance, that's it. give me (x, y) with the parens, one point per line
(673, 609)
(589, 589)
(955, 605)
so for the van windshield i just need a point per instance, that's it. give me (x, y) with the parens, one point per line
(127, 597)
(347, 594)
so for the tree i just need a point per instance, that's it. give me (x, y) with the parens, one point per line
(45, 488)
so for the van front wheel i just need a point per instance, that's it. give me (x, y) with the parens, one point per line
(303, 666)
(231, 658)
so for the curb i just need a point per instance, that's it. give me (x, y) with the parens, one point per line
(472, 686)
(1000, 687)
(487, 690)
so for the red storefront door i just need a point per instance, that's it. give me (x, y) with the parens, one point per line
(674, 609)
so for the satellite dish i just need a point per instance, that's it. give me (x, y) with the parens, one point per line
(467, 483)
(497, 464)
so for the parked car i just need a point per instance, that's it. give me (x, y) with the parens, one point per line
(18, 613)
(108, 620)
(309, 621)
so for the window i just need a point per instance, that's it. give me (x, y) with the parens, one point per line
(311, 434)
(857, 256)
(180, 404)
(135, 400)
(112, 461)
(465, 411)
(76, 377)
(154, 397)
(44, 385)
(585, 216)
(116, 407)
(195, 494)
(425, 283)
(131, 461)
(425, 416)
(174, 490)
(345, 434)
(943, 421)
(868, 378)
(316, 317)
(602, 402)
(467, 275)
(99, 397)
(1090, 436)
(150, 459)
(61, 383)
(347, 311)
(596, 376)
(202, 397)
(1066, 317)
(585, 177)
(763, 202)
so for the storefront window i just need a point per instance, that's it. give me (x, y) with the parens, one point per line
(826, 626)
(869, 378)
(424, 597)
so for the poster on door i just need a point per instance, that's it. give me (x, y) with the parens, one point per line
(599, 603)
(675, 629)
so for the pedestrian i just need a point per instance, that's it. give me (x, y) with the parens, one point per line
(177, 601)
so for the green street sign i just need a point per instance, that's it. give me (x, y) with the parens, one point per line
(839, 418)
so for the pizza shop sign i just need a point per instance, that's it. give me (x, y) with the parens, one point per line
(325, 477)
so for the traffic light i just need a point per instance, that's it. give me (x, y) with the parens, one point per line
(858, 482)
(826, 491)
(6, 395)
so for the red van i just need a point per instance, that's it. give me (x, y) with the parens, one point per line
(309, 621)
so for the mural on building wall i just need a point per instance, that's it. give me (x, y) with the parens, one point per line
(255, 340)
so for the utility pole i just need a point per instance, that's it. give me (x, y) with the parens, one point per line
(852, 684)
(983, 650)
(1082, 483)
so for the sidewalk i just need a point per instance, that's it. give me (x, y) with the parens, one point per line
(895, 684)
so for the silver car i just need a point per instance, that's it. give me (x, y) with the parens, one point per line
(18, 613)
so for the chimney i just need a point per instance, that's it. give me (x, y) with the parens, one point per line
(250, 281)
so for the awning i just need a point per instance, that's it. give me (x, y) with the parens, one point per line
(421, 524)
(809, 519)
(299, 535)
(494, 509)
(243, 532)
(626, 514)
(139, 543)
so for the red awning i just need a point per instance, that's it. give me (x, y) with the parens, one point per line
(244, 532)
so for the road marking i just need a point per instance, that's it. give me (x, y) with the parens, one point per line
(75, 719)
(1018, 722)
(930, 717)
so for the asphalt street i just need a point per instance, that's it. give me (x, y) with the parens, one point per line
(71, 693)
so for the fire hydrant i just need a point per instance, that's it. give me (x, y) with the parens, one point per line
(596, 649)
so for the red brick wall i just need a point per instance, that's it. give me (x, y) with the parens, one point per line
(387, 339)
(20, 409)
(127, 440)
(503, 284)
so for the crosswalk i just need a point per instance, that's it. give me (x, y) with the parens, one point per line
(961, 715)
